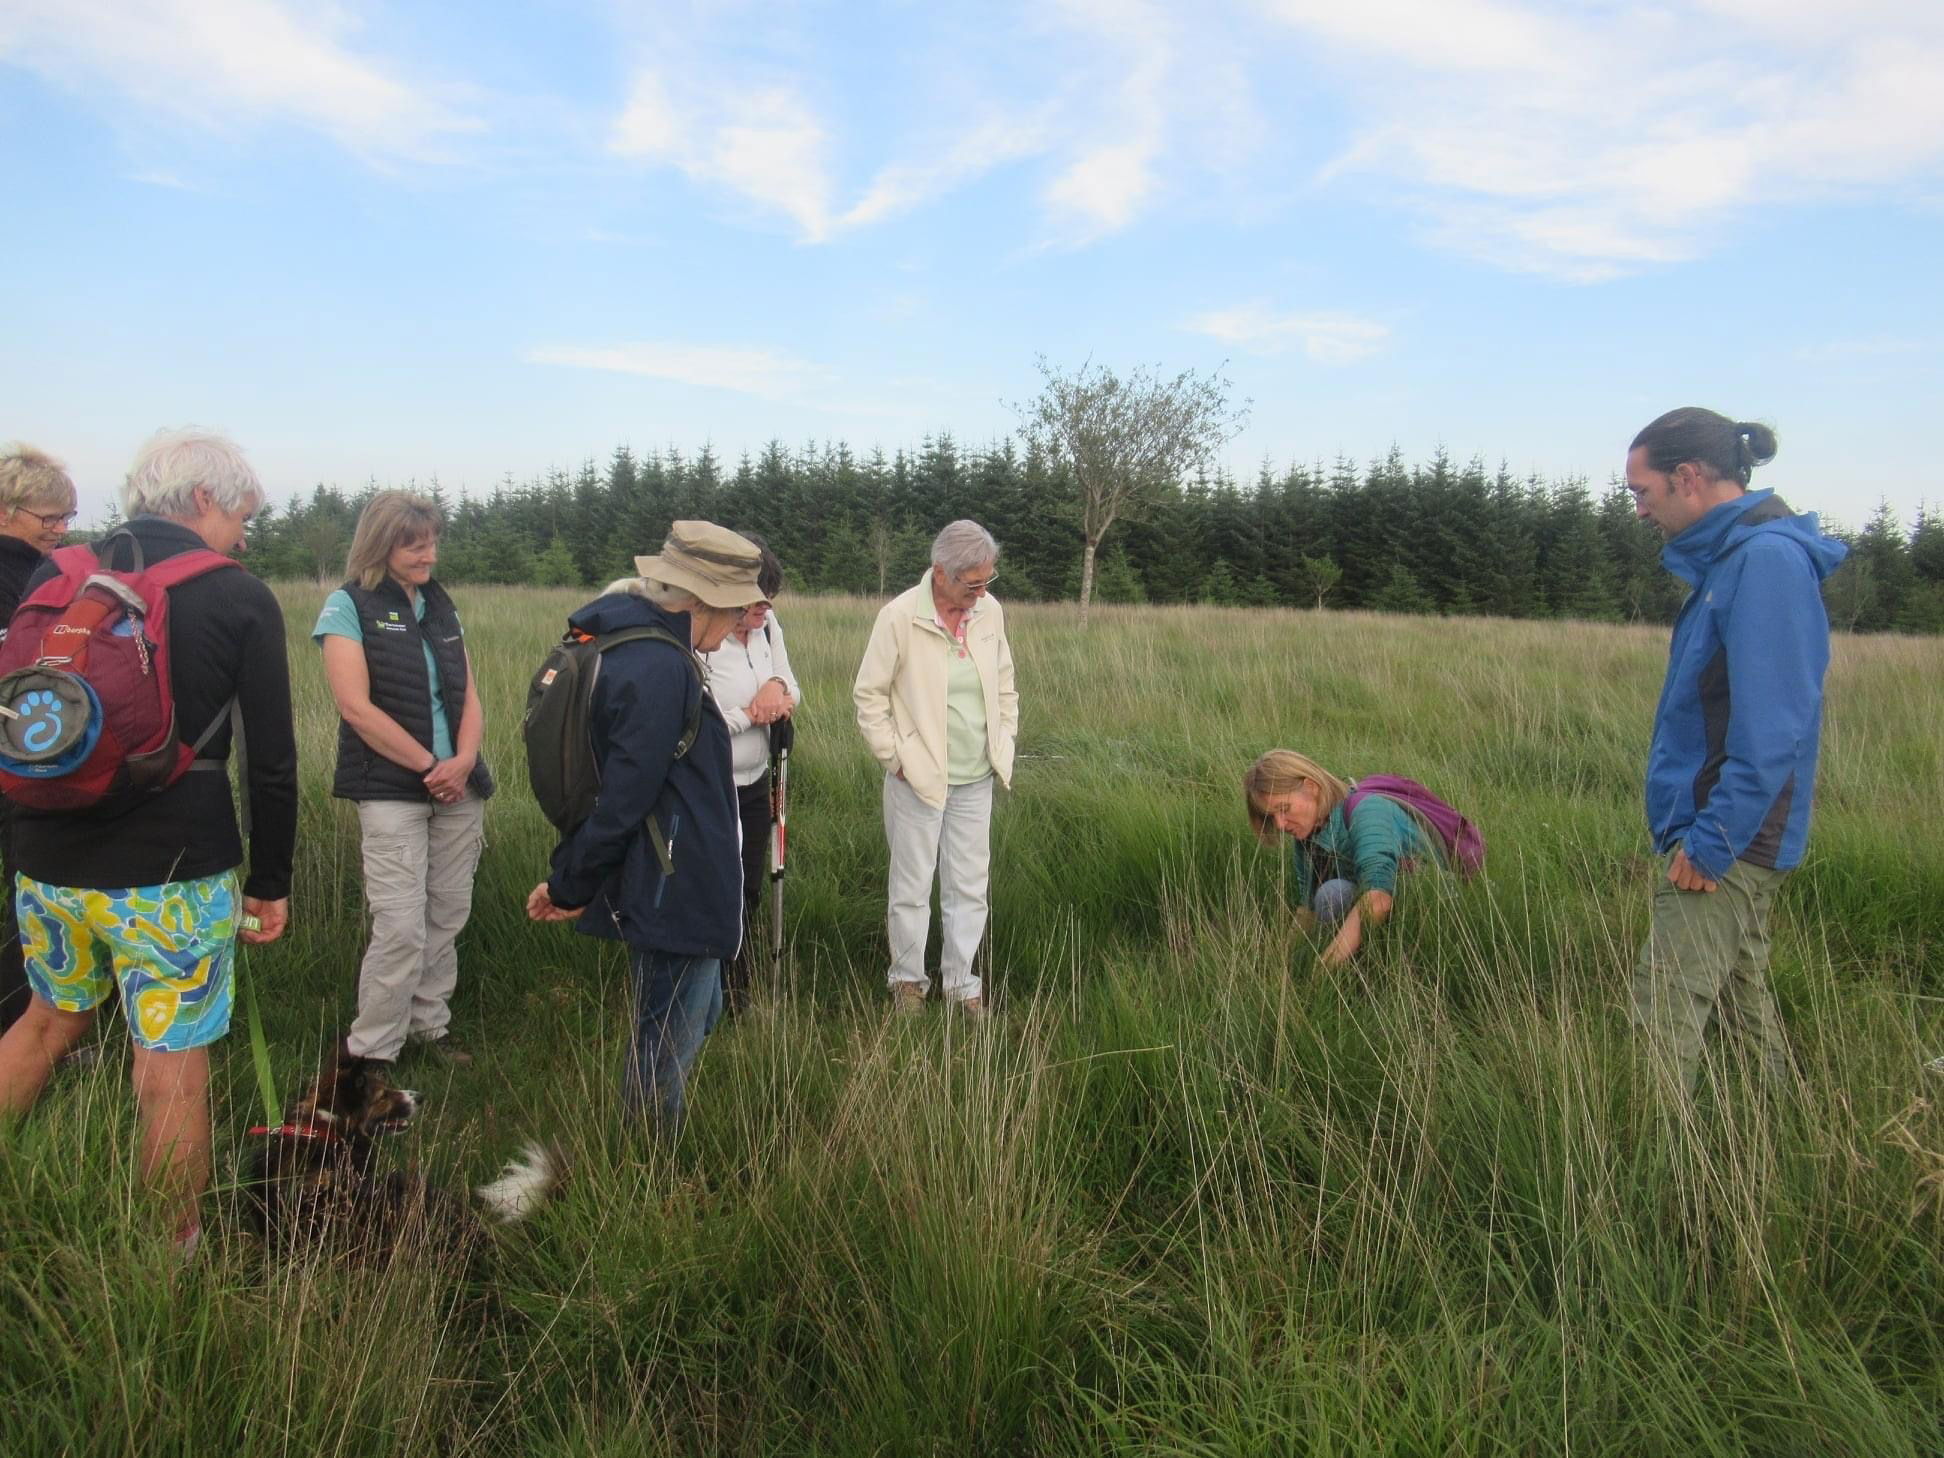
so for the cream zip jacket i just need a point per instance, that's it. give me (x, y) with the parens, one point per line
(900, 689)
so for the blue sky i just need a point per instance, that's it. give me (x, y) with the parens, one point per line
(407, 241)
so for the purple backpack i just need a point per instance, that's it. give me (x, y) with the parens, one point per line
(1464, 844)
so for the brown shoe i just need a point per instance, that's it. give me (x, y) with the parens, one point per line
(973, 1008)
(445, 1049)
(907, 998)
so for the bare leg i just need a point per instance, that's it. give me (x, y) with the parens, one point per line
(172, 1097)
(31, 1048)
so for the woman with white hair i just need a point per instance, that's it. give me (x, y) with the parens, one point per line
(149, 891)
(937, 706)
(36, 505)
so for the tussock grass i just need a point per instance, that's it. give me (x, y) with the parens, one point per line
(1186, 1194)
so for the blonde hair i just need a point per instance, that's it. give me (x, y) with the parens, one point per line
(29, 475)
(390, 520)
(1282, 772)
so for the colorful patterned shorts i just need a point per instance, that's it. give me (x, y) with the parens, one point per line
(171, 947)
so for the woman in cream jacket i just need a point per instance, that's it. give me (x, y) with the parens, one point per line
(936, 704)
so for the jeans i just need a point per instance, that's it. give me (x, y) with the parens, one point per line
(677, 1002)
(1333, 900)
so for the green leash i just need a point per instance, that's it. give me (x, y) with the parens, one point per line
(259, 1046)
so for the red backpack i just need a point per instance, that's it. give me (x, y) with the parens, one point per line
(87, 710)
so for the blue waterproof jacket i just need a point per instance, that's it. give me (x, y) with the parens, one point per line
(609, 865)
(1732, 768)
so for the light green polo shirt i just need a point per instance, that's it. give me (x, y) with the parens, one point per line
(966, 759)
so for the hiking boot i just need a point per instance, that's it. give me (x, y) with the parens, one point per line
(445, 1049)
(974, 1009)
(907, 998)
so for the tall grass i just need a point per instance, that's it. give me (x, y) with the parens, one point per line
(1187, 1194)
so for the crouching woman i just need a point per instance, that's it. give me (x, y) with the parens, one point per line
(1346, 858)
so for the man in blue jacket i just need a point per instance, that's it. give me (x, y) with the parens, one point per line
(675, 898)
(1732, 768)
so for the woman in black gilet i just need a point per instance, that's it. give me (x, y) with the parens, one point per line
(409, 731)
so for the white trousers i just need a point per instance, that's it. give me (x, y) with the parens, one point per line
(956, 842)
(419, 859)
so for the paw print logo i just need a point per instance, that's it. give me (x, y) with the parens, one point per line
(42, 720)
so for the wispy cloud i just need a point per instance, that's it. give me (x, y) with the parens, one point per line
(218, 63)
(1327, 338)
(157, 177)
(769, 147)
(1589, 141)
(949, 163)
(765, 373)
(1114, 176)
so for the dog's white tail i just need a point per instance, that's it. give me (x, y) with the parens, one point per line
(523, 1185)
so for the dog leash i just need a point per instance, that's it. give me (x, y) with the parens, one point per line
(259, 1046)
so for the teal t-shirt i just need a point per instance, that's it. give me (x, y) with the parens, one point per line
(340, 617)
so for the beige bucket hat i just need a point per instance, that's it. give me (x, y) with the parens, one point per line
(710, 561)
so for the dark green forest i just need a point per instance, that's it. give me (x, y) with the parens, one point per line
(1439, 537)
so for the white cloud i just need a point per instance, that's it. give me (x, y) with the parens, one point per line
(765, 373)
(769, 148)
(1114, 176)
(220, 62)
(1588, 141)
(1327, 338)
(899, 187)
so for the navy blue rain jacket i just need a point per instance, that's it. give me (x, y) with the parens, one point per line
(1732, 768)
(640, 707)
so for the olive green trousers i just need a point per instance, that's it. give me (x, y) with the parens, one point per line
(1705, 964)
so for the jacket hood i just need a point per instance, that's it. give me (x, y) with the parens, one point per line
(618, 610)
(1735, 523)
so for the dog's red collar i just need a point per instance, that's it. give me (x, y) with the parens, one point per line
(299, 1131)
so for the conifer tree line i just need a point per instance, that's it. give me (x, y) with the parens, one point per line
(1436, 537)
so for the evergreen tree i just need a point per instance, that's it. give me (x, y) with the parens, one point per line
(1402, 594)
(556, 567)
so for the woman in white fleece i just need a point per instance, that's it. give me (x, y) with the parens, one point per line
(750, 678)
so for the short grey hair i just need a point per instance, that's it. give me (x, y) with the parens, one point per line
(662, 595)
(29, 475)
(962, 546)
(167, 471)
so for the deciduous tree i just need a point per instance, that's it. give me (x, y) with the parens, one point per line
(1124, 438)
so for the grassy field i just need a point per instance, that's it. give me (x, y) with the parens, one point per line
(1187, 1194)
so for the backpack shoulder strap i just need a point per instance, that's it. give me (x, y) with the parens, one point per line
(174, 571)
(661, 635)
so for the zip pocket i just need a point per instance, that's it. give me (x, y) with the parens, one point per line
(664, 849)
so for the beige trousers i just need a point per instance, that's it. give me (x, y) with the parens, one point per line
(419, 859)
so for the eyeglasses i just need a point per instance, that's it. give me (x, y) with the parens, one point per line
(981, 585)
(48, 521)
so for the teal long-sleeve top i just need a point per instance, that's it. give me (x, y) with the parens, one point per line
(1368, 847)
